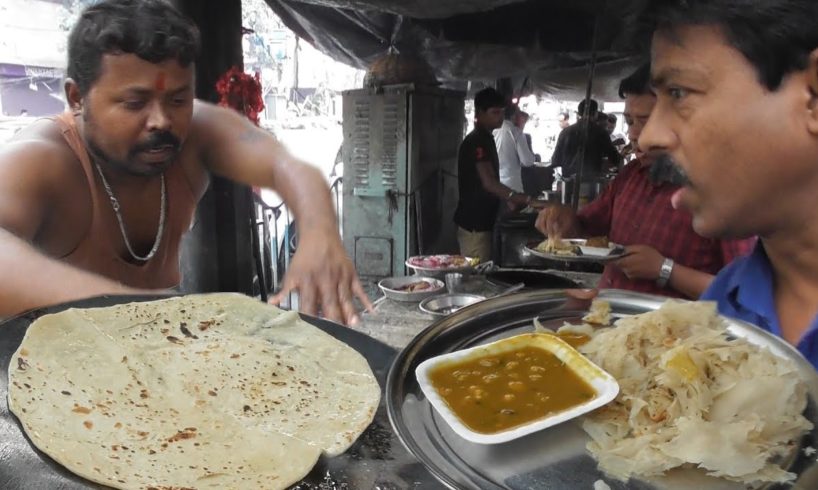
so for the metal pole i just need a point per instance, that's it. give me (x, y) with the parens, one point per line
(588, 90)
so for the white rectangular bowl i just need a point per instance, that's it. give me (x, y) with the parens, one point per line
(603, 384)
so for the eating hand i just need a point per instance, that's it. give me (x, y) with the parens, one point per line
(557, 222)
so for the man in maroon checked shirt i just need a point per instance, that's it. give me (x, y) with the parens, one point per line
(663, 254)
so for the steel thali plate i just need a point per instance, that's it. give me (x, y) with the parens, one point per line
(616, 253)
(554, 458)
(376, 460)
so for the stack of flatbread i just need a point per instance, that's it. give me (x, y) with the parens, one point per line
(207, 391)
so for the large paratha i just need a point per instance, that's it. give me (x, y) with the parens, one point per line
(206, 391)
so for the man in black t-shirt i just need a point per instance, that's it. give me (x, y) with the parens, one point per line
(598, 145)
(481, 192)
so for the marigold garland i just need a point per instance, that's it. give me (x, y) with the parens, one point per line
(242, 92)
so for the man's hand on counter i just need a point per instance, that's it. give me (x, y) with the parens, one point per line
(325, 279)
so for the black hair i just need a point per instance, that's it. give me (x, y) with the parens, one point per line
(612, 118)
(637, 83)
(776, 36)
(150, 29)
(511, 111)
(488, 98)
(593, 107)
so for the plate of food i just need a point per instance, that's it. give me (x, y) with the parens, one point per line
(595, 249)
(703, 401)
(439, 265)
(410, 288)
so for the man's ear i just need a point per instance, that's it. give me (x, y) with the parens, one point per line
(73, 95)
(812, 86)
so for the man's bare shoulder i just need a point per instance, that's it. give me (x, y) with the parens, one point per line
(211, 121)
(40, 145)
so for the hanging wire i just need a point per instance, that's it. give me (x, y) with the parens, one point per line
(588, 89)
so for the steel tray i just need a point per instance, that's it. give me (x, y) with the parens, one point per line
(555, 458)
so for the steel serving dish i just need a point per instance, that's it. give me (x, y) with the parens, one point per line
(446, 304)
(391, 288)
(440, 272)
(554, 458)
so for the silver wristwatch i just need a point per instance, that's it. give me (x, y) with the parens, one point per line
(664, 273)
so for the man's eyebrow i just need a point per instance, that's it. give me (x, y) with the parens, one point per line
(137, 91)
(179, 90)
(663, 76)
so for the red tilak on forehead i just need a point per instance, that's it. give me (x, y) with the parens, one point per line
(160, 82)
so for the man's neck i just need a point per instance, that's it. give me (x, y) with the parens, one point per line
(792, 254)
(480, 127)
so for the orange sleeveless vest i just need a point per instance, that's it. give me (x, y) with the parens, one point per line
(97, 252)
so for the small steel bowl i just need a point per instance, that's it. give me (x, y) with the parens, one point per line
(390, 288)
(447, 304)
(440, 272)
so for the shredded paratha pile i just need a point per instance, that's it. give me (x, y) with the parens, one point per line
(689, 395)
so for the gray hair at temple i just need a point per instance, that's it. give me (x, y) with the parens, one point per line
(150, 29)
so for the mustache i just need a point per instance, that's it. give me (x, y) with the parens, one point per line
(664, 169)
(158, 140)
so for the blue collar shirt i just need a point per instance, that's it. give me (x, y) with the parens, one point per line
(744, 291)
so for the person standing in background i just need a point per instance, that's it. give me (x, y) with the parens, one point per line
(478, 181)
(513, 149)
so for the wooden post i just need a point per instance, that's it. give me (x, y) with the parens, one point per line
(217, 253)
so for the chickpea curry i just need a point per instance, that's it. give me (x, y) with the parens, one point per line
(574, 339)
(500, 391)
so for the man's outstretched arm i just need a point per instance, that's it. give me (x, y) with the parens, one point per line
(321, 271)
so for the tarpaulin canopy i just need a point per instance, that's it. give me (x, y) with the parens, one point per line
(542, 45)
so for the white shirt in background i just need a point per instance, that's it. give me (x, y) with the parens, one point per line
(514, 154)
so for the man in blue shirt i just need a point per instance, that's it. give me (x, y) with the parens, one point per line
(737, 111)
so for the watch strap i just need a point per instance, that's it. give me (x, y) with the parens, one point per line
(664, 272)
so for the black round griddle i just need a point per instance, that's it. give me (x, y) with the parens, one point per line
(376, 460)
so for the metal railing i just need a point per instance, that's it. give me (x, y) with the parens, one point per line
(277, 240)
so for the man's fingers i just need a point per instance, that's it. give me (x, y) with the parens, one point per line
(307, 299)
(286, 288)
(580, 299)
(328, 291)
(359, 292)
(331, 308)
(542, 222)
(347, 305)
(348, 289)
(582, 293)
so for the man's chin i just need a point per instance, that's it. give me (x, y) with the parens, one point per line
(143, 169)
